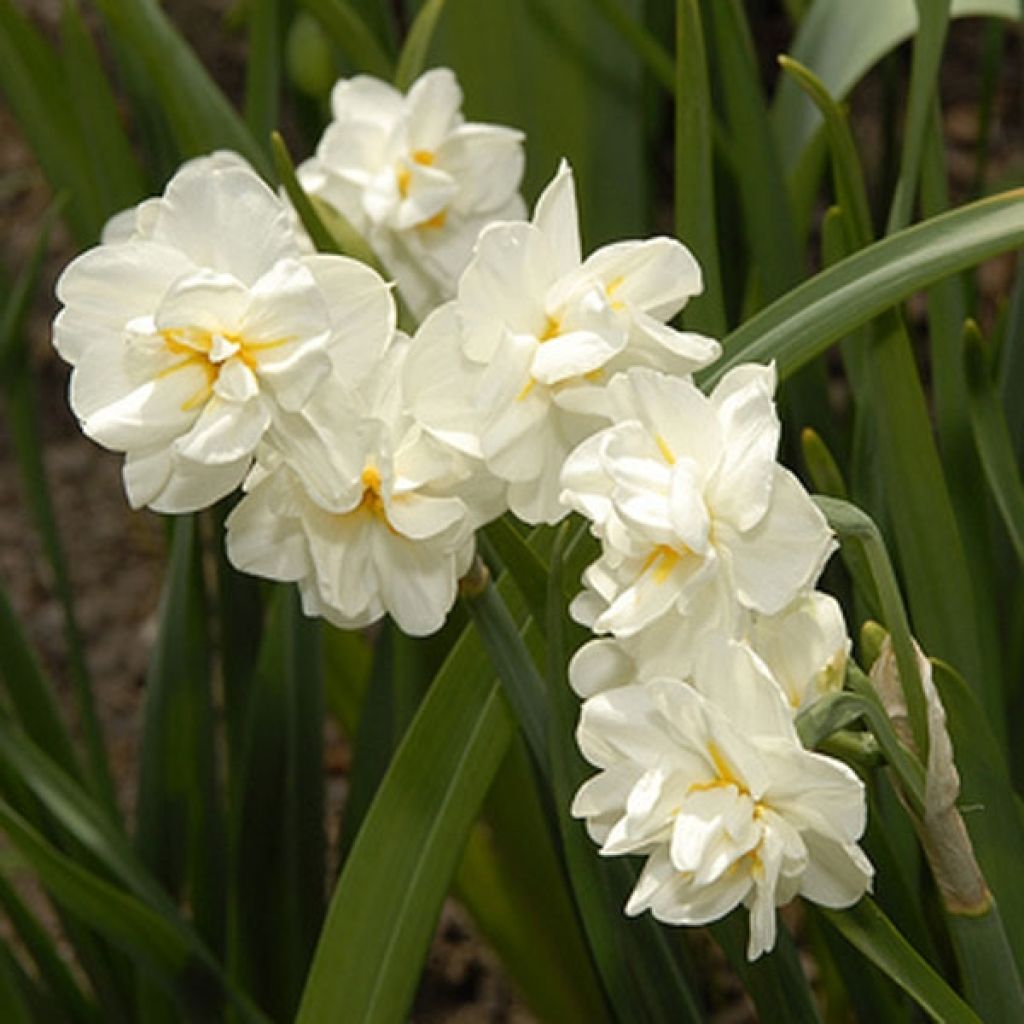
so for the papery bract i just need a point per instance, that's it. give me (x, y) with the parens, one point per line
(514, 371)
(416, 179)
(198, 322)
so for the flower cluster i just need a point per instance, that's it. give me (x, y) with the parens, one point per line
(215, 350)
(710, 550)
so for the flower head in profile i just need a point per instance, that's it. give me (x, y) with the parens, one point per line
(414, 178)
(803, 650)
(710, 783)
(694, 513)
(198, 322)
(367, 513)
(514, 371)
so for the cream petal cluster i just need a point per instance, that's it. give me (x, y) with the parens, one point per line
(695, 515)
(200, 321)
(709, 782)
(414, 178)
(368, 514)
(515, 371)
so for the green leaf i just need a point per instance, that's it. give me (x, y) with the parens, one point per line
(32, 79)
(30, 691)
(14, 985)
(263, 71)
(200, 116)
(17, 385)
(867, 929)
(347, 666)
(855, 526)
(992, 438)
(933, 22)
(349, 30)
(111, 161)
(694, 168)
(840, 42)
(807, 320)
(386, 903)
(512, 882)
(179, 828)
(658, 60)
(768, 225)
(413, 57)
(41, 946)
(572, 78)
(277, 840)
(523, 563)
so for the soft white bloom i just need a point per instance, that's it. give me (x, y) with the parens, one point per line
(802, 650)
(695, 515)
(805, 647)
(414, 178)
(367, 513)
(711, 784)
(514, 371)
(198, 321)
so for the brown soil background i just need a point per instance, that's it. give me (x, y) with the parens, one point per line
(116, 555)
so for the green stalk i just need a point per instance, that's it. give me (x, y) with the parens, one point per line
(643, 44)
(987, 966)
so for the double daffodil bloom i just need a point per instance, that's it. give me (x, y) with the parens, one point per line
(694, 513)
(514, 371)
(710, 783)
(415, 179)
(363, 510)
(198, 321)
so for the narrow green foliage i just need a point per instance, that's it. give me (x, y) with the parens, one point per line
(805, 321)
(53, 971)
(111, 160)
(263, 70)
(277, 828)
(646, 46)
(933, 22)
(327, 227)
(387, 900)
(992, 438)
(854, 525)
(199, 115)
(179, 832)
(413, 57)
(867, 929)
(349, 30)
(694, 169)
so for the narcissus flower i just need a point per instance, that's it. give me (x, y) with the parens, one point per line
(198, 322)
(369, 515)
(711, 784)
(694, 513)
(415, 179)
(514, 371)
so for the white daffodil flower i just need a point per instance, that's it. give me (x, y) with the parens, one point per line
(514, 371)
(805, 647)
(363, 510)
(711, 784)
(694, 513)
(198, 321)
(803, 650)
(415, 179)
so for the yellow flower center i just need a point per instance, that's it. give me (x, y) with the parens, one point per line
(196, 347)
(372, 500)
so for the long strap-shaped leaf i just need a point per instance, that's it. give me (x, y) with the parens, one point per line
(807, 320)
(867, 928)
(383, 911)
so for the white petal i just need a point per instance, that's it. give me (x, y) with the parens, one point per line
(656, 276)
(785, 552)
(556, 217)
(417, 582)
(225, 432)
